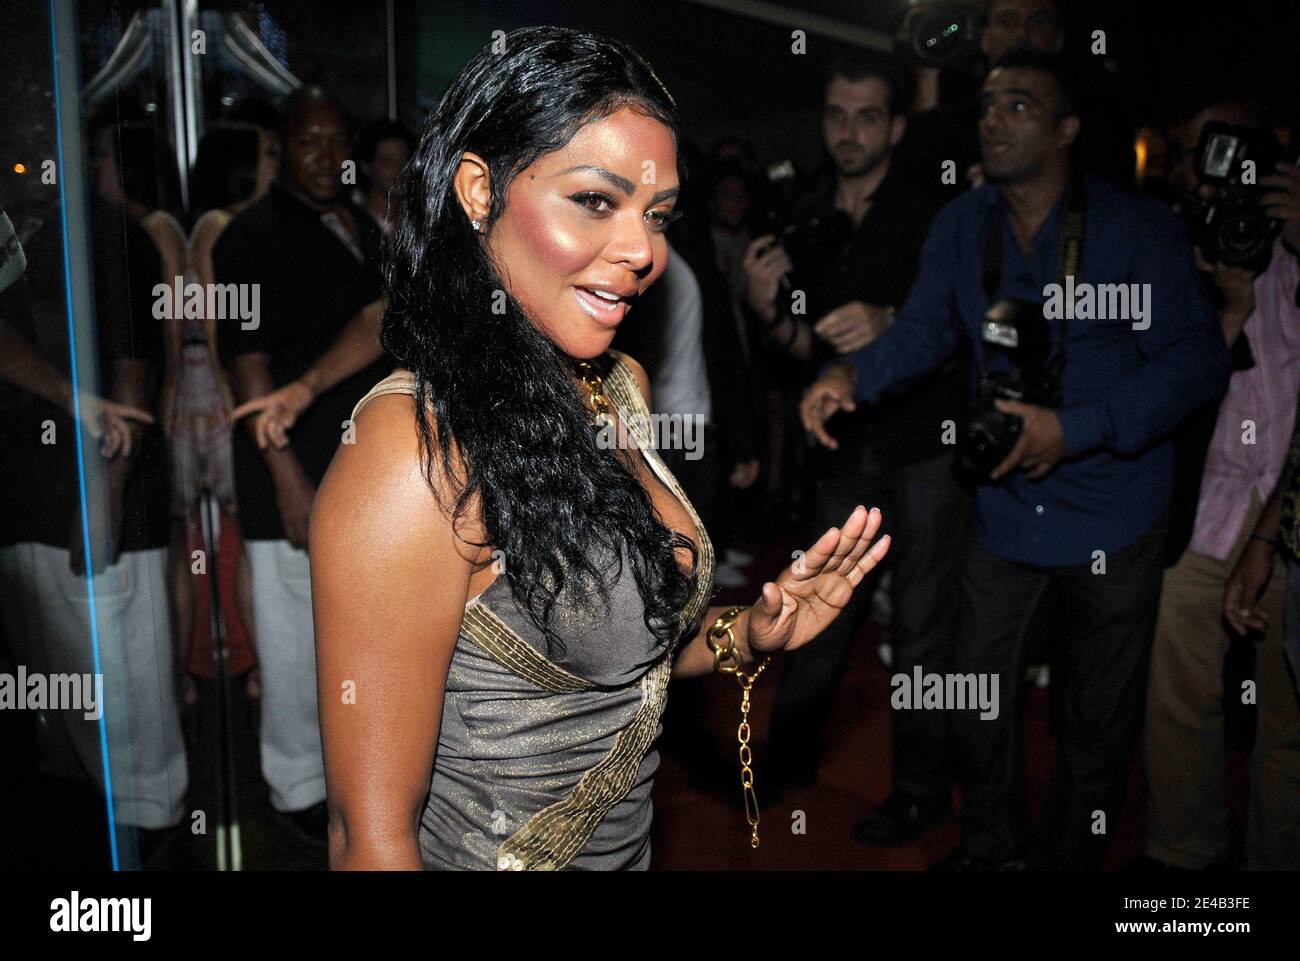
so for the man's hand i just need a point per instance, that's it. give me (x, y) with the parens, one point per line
(1041, 444)
(852, 326)
(821, 401)
(1284, 202)
(1246, 585)
(764, 269)
(277, 412)
(293, 496)
(111, 423)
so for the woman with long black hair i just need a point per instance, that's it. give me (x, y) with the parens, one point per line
(505, 576)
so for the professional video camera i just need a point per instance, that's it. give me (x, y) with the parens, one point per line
(1016, 329)
(1232, 228)
(940, 33)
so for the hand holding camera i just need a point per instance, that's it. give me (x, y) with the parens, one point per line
(1235, 220)
(765, 263)
(1283, 203)
(1041, 444)
(1027, 378)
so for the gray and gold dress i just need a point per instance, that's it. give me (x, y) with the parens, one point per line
(544, 764)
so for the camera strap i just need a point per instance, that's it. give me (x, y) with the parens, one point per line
(1069, 252)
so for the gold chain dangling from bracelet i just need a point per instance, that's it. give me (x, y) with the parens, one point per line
(722, 653)
(746, 756)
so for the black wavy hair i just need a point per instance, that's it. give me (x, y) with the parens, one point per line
(552, 500)
(1056, 67)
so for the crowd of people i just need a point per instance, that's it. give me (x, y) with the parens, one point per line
(1128, 500)
(160, 414)
(855, 336)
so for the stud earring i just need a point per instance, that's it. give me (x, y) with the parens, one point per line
(475, 224)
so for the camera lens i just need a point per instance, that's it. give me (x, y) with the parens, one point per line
(937, 36)
(1242, 236)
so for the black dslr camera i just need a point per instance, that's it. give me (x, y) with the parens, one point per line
(1232, 228)
(1015, 329)
(808, 240)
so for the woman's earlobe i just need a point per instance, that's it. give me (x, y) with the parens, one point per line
(472, 186)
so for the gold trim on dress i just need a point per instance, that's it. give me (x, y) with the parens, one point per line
(500, 642)
(552, 837)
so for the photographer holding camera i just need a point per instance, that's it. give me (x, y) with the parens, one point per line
(1255, 275)
(829, 287)
(954, 43)
(945, 131)
(1081, 465)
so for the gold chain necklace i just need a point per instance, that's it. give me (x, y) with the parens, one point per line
(595, 393)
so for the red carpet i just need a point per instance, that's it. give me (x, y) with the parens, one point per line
(697, 829)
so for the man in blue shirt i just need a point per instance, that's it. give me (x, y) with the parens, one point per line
(1077, 505)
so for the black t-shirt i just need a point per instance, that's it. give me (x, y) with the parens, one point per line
(311, 283)
(877, 267)
(40, 482)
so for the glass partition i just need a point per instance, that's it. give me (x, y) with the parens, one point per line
(146, 733)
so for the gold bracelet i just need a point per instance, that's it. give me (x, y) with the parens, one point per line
(721, 638)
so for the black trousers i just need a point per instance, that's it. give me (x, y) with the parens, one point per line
(925, 510)
(1102, 646)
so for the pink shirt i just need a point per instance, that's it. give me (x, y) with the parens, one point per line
(1265, 395)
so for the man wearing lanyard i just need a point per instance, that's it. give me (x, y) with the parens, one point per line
(1076, 507)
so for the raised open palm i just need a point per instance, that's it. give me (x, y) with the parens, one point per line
(812, 591)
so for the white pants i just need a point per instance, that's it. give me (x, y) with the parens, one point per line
(292, 762)
(46, 613)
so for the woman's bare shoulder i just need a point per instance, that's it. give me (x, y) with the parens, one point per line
(376, 483)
